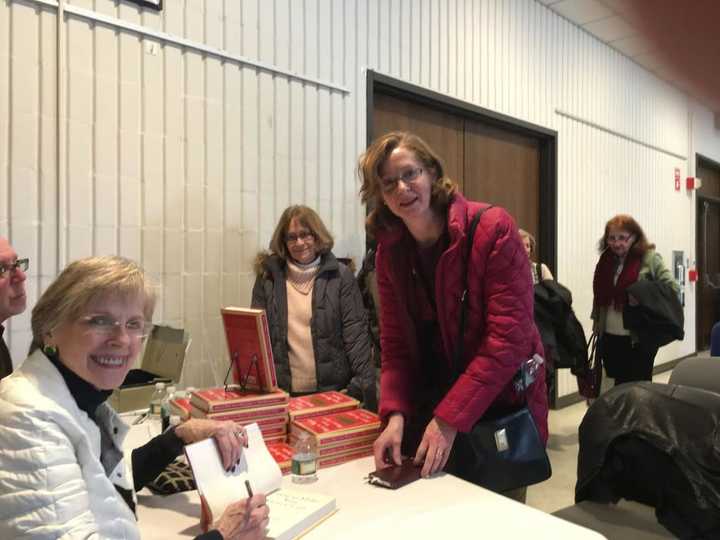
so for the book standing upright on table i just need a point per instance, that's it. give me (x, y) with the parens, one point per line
(292, 512)
(248, 340)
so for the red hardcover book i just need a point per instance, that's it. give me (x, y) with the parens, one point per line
(330, 461)
(218, 399)
(343, 446)
(275, 438)
(281, 453)
(321, 404)
(336, 427)
(273, 430)
(244, 416)
(248, 340)
(181, 407)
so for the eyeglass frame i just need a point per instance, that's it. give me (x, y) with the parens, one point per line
(13, 267)
(111, 329)
(292, 238)
(409, 176)
(619, 238)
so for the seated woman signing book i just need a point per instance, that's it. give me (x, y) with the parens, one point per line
(315, 312)
(62, 469)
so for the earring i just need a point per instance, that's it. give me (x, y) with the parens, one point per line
(49, 350)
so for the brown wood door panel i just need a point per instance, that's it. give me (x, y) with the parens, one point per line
(503, 168)
(710, 179)
(441, 130)
(707, 297)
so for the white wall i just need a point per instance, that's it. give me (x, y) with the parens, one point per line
(183, 158)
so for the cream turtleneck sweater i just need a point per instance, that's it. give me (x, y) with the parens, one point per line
(299, 283)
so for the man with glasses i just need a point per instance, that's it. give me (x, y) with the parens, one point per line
(12, 296)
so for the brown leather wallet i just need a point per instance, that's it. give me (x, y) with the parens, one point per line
(395, 476)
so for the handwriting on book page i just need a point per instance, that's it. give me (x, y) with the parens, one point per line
(292, 500)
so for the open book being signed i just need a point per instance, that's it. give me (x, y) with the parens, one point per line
(292, 512)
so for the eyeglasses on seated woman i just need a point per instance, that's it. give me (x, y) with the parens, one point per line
(62, 469)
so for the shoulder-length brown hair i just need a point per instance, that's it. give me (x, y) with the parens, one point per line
(372, 161)
(308, 218)
(627, 223)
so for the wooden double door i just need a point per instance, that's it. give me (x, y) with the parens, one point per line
(490, 163)
(708, 251)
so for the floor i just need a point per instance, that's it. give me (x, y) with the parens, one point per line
(559, 491)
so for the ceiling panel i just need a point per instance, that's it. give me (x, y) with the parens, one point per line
(582, 11)
(610, 29)
(633, 45)
(679, 41)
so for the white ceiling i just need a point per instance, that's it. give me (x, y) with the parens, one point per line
(605, 20)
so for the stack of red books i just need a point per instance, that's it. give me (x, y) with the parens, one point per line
(320, 404)
(269, 410)
(282, 454)
(341, 436)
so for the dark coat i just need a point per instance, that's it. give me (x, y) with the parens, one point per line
(659, 317)
(338, 326)
(559, 329)
(656, 444)
(500, 332)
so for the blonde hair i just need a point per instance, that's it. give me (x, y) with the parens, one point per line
(307, 217)
(524, 234)
(374, 159)
(84, 281)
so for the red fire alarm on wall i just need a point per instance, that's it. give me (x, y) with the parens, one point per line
(692, 275)
(692, 183)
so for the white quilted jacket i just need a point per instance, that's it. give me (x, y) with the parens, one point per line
(52, 484)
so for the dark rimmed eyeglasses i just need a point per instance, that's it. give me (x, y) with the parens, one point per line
(388, 185)
(105, 325)
(292, 238)
(618, 237)
(19, 264)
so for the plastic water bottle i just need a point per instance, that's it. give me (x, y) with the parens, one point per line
(165, 409)
(156, 401)
(304, 459)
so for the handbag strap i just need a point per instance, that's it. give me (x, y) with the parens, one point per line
(463, 309)
(457, 358)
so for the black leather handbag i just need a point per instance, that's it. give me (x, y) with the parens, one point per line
(504, 452)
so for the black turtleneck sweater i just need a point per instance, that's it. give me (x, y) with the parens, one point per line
(148, 461)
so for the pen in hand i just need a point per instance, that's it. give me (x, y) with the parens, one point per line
(250, 496)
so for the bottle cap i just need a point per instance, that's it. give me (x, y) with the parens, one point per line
(159, 385)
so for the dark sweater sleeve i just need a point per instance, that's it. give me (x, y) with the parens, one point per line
(149, 460)
(210, 535)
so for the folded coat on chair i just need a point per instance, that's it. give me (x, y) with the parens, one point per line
(656, 444)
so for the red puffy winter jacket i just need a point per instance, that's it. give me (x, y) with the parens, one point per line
(499, 334)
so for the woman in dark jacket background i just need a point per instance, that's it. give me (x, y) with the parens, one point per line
(317, 320)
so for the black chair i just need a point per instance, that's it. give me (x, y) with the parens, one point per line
(698, 372)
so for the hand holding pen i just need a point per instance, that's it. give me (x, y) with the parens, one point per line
(246, 519)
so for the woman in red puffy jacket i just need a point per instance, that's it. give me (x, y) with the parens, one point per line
(420, 223)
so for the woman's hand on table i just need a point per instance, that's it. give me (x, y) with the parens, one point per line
(229, 437)
(387, 445)
(245, 520)
(434, 449)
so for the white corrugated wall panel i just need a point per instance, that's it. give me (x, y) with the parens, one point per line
(184, 158)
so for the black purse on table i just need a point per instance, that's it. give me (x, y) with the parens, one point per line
(505, 452)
